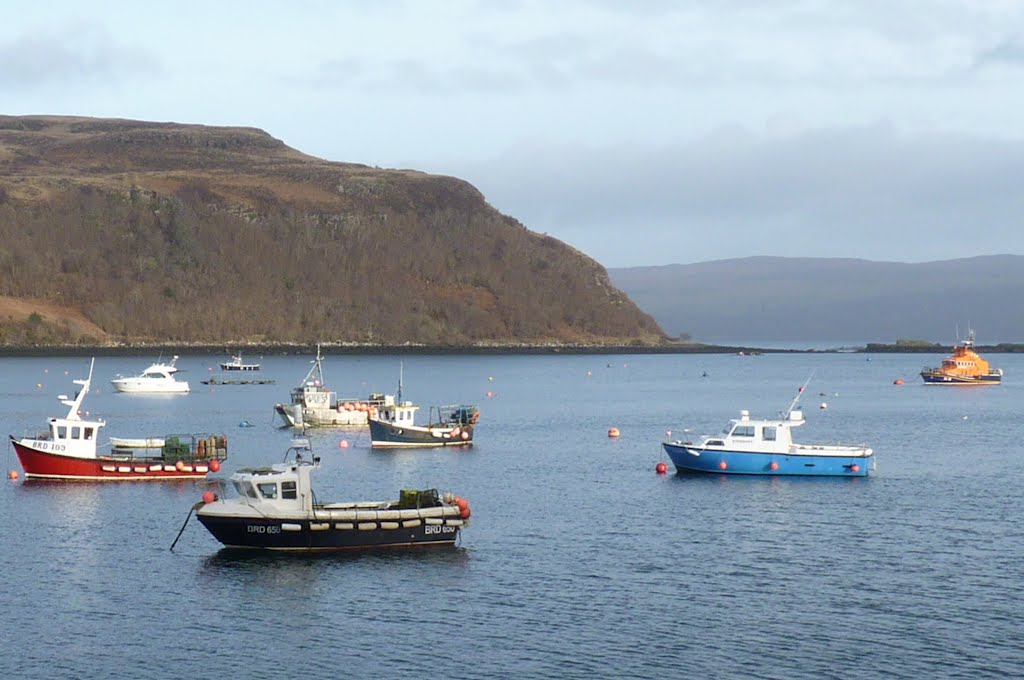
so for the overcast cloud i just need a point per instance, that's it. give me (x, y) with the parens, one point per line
(640, 133)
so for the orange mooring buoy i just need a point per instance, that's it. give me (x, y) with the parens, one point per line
(613, 432)
(13, 474)
(214, 465)
(661, 468)
(897, 381)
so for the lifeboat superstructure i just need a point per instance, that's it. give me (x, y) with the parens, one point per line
(963, 367)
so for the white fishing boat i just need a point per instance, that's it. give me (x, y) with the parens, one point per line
(314, 405)
(157, 379)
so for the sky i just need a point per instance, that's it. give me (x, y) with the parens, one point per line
(647, 132)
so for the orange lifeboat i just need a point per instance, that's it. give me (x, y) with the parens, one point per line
(963, 367)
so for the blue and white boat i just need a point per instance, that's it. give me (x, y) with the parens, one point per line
(749, 446)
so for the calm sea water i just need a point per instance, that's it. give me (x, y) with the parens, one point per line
(580, 562)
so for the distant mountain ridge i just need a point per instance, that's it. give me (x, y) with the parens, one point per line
(779, 299)
(120, 231)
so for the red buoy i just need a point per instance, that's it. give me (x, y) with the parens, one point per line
(661, 468)
(897, 381)
(489, 394)
(774, 465)
(613, 432)
(465, 435)
(215, 465)
(209, 496)
(463, 505)
(855, 468)
(723, 465)
(180, 465)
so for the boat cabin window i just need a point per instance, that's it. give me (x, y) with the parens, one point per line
(62, 432)
(768, 434)
(288, 490)
(268, 489)
(715, 442)
(76, 432)
(88, 433)
(244, 488)
(743, 431)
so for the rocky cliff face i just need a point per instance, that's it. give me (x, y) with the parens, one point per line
(167, 232)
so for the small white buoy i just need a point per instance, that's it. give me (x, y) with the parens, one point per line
(965, 417)
(823, 406)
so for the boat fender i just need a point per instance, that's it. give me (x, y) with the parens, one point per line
(463, 507)
(411, 523)
(344, 525)
(367, 526)
(389, 525)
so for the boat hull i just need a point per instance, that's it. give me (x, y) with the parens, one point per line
(130, 387)
(388, 435)
(939, 378)
(691, 459)
(316, 536)
(39, 464)
(294, 415)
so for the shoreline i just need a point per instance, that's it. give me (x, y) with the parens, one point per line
(287, 349)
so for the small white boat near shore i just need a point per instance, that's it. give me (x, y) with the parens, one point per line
(157, 379)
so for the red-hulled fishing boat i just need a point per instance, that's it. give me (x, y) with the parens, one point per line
(68, 451)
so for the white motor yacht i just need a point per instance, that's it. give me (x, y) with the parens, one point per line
(157, 379)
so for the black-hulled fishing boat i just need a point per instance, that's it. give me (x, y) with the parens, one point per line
(276, 509)
(393, 424)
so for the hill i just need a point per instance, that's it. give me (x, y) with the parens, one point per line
(778, 299)
(133, 231)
